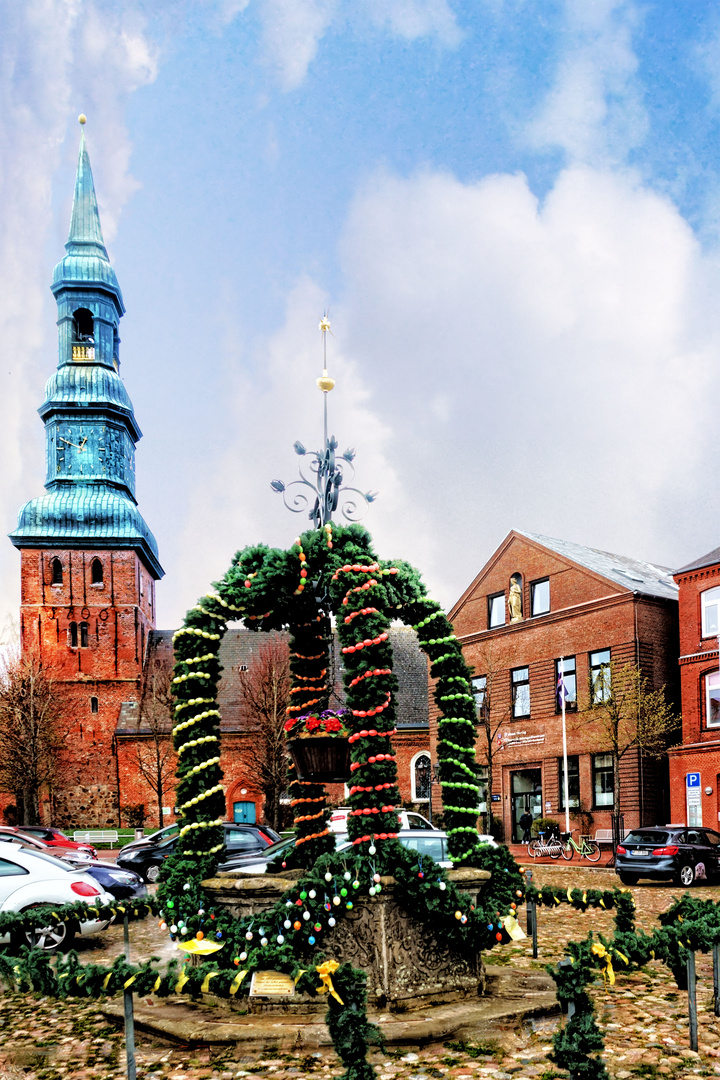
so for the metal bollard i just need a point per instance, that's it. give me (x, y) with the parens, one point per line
(692, 1001)
(531, 917)
(129, 1016)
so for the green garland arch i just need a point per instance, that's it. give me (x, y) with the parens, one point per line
(331, 568)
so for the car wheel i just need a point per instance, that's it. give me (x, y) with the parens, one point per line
(687, 875)
(629, 879)
(50, 938)
(152, 873)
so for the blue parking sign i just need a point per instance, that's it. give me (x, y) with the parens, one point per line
(692, 779)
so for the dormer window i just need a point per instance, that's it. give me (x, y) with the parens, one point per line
(96, 572)
(710, 601)
(57, 572)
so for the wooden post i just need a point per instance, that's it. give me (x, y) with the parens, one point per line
(692, 1001)
(129, 1016)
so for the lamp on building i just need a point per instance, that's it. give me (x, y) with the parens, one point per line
(708, 790)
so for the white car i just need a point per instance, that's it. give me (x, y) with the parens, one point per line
(408, 820)
(31, 878)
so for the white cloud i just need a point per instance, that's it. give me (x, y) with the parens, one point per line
(412, 19)
(292, 30)
(550, 367)
(56, 58)
(594, 111)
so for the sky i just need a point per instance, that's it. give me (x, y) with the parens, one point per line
(509, 208)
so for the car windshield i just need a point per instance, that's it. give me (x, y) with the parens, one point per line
(641, 836)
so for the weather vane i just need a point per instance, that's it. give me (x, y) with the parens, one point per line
(329, 473)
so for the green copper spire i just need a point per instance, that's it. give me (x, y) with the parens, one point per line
(85, 229)
(90, 426)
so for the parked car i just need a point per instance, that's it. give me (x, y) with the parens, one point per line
(54, 838)
(408, 820)
(10, 835)
(432, 842)
(123, 884)
(29, 879)
(148, 859)
(669, 852)
(167, 833)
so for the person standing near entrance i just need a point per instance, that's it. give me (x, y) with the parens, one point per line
(525, 824)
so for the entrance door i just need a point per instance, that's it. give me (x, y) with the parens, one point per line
(526, 794)
(244, 813)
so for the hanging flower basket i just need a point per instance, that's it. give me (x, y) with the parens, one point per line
(318, 744)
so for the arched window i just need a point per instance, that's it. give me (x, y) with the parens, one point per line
(84, 326)
(93, 704)
(73, 634)
(83, 635)
(57, 572)
(420, 774)
(96, 572)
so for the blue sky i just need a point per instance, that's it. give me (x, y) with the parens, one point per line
(510, 208)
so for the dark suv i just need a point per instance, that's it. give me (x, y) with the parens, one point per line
(239, 840)
(669, 852)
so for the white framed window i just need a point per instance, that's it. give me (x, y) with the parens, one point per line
(520, 684)
(712, 699)
(420, 774)
(479, 687)
(540, 597)
(496, 610)
(710, 601)
(600, 675)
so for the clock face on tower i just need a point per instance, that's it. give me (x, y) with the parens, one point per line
(93, 450)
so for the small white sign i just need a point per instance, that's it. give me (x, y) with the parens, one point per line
(166, 811)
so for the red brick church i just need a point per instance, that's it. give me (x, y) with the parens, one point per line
(89, 564)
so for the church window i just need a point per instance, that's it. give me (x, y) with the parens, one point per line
(420, 778)
(57, 572)
(96, 572)
(73, 634)
(93, 704)
(83, 635)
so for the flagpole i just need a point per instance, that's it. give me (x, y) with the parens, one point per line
(561, 684)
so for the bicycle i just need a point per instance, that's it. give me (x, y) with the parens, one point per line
(539, 847)
(586, 849)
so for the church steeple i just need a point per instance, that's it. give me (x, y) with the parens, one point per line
(85, 228)
(90, 425)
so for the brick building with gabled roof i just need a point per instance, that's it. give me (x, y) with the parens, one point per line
(238, 650)
(695, 766)
(538, 601)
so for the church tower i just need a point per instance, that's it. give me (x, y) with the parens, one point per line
(89, 563)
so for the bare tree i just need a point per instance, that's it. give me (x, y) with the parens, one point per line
(623, 713)
(152, 753)
(31, 733)
(265, 690)
(492, 717)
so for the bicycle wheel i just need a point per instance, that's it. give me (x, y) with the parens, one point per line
(555, 849)
(533, 849)
(591, 851)
(568, 851)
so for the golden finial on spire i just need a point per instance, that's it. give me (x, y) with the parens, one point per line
(325, 383)
(82, 118)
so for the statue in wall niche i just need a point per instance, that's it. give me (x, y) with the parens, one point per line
(515, 598)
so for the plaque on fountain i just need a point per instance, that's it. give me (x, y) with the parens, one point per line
(271, 984)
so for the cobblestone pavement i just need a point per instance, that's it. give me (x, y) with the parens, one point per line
(644, 1017)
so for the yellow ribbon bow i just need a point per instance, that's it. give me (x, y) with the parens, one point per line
(181, 982)
(602, 953)
(206, 981)
(326, 987)
(235, 984)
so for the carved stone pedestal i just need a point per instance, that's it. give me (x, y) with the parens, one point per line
(407, 967)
